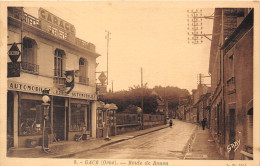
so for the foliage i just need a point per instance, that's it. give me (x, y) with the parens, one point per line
(134, 97)
(171, 94)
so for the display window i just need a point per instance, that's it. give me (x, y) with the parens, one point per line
(30, 117)
(100, 118)
(78, 116)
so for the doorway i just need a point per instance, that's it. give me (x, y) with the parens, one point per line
(59, 117)
(232, 132)
(10, 120)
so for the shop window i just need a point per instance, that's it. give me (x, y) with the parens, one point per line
(78, 117)
(83, 70)
(29, 55)
(30, 117)
(100, 118)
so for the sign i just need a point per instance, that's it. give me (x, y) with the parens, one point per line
(14, 53)
(102, 78)
(13, 69)
(69, 78)
(29, 88)
(56, 21)
(102, 89)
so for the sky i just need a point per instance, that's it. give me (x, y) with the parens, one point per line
(148, 35)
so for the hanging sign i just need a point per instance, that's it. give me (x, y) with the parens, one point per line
(13, 69)
(14, 53)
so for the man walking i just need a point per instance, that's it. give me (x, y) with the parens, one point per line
(171, 123)
(203, 123)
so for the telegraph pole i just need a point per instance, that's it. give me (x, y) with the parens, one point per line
(142, 100)
(195, 26)
(108, 38)
(112, 87)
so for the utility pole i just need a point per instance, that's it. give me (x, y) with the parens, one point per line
(112, 87)
(142, 99)
(200, 79)
(195, 26)
(108, 38)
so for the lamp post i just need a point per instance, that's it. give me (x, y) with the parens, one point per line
(45, 106)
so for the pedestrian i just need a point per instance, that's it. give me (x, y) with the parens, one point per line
(170, 123)
(203, 123)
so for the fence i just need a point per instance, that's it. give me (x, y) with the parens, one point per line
(153, 120)
(131, 122)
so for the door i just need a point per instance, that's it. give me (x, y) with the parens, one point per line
(59, 122)
(10, 120)
(59, 116)
(232, 132)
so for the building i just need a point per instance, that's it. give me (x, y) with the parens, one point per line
(231, 69)
(50, 51)
(200, 102)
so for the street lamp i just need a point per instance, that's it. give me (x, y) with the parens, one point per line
(45, 106)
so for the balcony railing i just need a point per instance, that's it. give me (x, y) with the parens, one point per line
(29, 67)
(59, 81)
(31, 20)
(83, 80)
(85, 44)
(59, 77)
(16, 13)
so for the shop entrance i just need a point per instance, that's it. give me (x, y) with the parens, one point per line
(59, 117)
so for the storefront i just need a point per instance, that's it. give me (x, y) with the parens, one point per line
(68, 114)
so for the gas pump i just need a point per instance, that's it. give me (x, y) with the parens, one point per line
(45, 108)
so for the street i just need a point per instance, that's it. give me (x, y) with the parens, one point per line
(167, 143)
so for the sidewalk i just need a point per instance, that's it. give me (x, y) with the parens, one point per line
(202, 146)
(66, 149)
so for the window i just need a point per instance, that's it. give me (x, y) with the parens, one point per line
(78, 112)
(83, 66)
(29, 55)
(58, 63)
(231, 66)
(231, 75)
(31, 117)
(59, 75)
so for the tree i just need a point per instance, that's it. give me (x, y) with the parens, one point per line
(134, 95)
